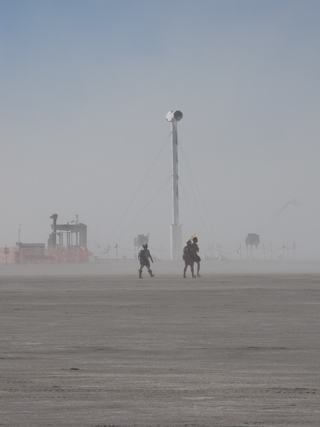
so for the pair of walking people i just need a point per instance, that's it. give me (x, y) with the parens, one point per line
(190, 256)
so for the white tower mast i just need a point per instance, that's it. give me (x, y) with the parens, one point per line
(175, 228)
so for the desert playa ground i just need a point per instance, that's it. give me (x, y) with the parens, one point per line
(92, 345)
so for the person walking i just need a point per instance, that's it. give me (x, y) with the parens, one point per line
(188, 259)
(144, 256)
(194, 253)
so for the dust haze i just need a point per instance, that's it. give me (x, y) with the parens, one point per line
(85, 87)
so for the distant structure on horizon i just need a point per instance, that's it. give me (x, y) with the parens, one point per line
(76, 233)
(253, 239)
(75, 249)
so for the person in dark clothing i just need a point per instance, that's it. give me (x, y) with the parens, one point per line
(194, 253)
(188, 259)
(144, 256)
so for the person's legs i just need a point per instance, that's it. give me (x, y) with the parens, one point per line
(140, 271)
(192, 270)
(198, 269)
(185, 270)
(149, 270)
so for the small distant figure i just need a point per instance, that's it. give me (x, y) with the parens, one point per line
(194, 253)
(188, 259)
(144, 256)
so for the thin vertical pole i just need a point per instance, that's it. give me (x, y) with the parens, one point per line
(175, 228)
(175, 176)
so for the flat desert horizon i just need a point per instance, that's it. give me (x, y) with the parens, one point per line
(93, 345)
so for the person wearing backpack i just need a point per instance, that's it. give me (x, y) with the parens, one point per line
(144, 256)
(188, 260)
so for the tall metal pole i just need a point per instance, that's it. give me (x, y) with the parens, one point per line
(175, 228)
(175, 175)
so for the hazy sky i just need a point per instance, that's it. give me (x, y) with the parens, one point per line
(85, 88)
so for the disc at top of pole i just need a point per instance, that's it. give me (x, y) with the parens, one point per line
(175, 115)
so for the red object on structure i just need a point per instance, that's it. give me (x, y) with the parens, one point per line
(75, 250)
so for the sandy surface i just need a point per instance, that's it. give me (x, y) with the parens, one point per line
(95, 346)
